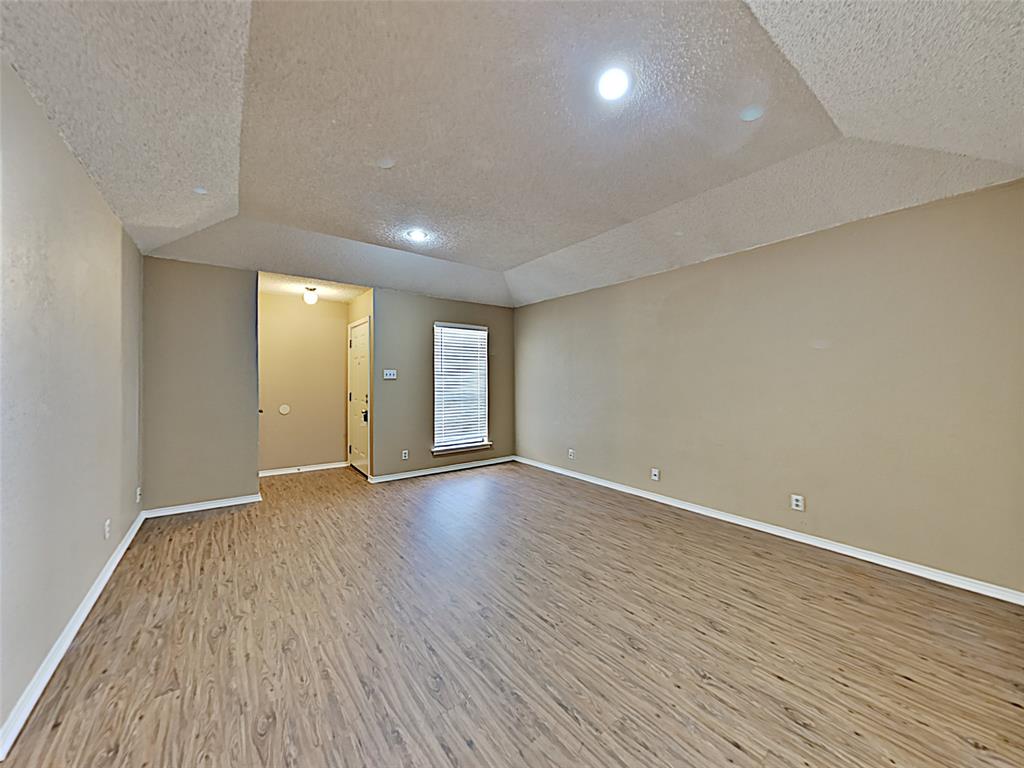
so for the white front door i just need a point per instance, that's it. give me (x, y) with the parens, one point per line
(359, 395)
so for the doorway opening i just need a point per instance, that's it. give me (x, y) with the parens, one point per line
(315, 358)
(359, 395)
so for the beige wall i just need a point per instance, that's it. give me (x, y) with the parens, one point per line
(303, 361)
(876, 368)
(361, 306)
(200, 420)
(69, 373)
(403, 409)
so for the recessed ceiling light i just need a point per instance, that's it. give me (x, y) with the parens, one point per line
(417, 235)
(386, 162)
(613, 84)
(310, 297)
(751, 113)
(199, 190)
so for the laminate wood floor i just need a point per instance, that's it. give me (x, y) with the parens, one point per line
(507, 616)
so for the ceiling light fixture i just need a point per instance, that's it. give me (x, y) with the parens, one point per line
(199, 190)
(310, 297)
(751, 113)
(417, 235)
(613, 84)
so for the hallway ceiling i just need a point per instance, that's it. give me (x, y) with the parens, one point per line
(327, 290)
(309, 138)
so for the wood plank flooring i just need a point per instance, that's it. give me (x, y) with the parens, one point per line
(507, 616)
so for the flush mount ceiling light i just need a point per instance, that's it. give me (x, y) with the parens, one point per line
(417, 235)
(751, 113)
(310, 297)
(613, 84)
(199, 190)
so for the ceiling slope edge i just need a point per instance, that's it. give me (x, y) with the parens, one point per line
(942, 76)
(837, 183)
(142, 92)
(247, 243)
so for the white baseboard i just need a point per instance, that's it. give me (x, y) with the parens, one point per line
(435, 470)
(924, 571)
(303, 468)
(198, 506)
(27, 701)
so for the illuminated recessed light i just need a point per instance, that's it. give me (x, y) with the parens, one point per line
(199, 190)
(417, 235)
(310, 297)
(751, 113)
(613, 84)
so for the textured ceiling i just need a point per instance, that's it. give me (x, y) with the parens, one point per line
(490, 115)
(943, 75)
(148, 95)
(289, 285)
(253, 244)
(838, 182)
(480, 123)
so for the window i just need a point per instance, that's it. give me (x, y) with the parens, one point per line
(460, 387)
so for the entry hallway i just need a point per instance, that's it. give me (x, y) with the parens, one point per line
(508, 616)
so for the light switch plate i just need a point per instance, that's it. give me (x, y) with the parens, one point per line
(390, 373)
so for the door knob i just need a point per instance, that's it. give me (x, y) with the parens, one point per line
(366, 416)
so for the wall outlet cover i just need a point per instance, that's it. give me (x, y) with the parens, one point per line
(572, 453)
(655, 473)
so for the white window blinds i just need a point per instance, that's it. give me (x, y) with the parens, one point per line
(460, 386)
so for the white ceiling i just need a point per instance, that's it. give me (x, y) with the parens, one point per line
(490, 115)
(835, 183)
(940, 75)
(289, 285)
(253, 244)
(148, 95)
(498, 144)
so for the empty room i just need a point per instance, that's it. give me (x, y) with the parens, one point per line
(556, 384)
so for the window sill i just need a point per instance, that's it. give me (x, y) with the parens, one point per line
(461, 448)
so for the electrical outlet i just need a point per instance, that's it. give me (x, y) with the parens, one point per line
(655, 473)
(796, 502)
(390, 373)
(138, 494)
(572, 454)
(106, 528)
(405, 455)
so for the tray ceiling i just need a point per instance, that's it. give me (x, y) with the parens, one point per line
(321, 133)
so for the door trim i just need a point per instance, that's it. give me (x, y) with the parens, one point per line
(369, 392)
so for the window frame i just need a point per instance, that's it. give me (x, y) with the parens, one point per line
(440, 450)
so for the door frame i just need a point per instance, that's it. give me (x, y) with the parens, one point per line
(369, 391)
